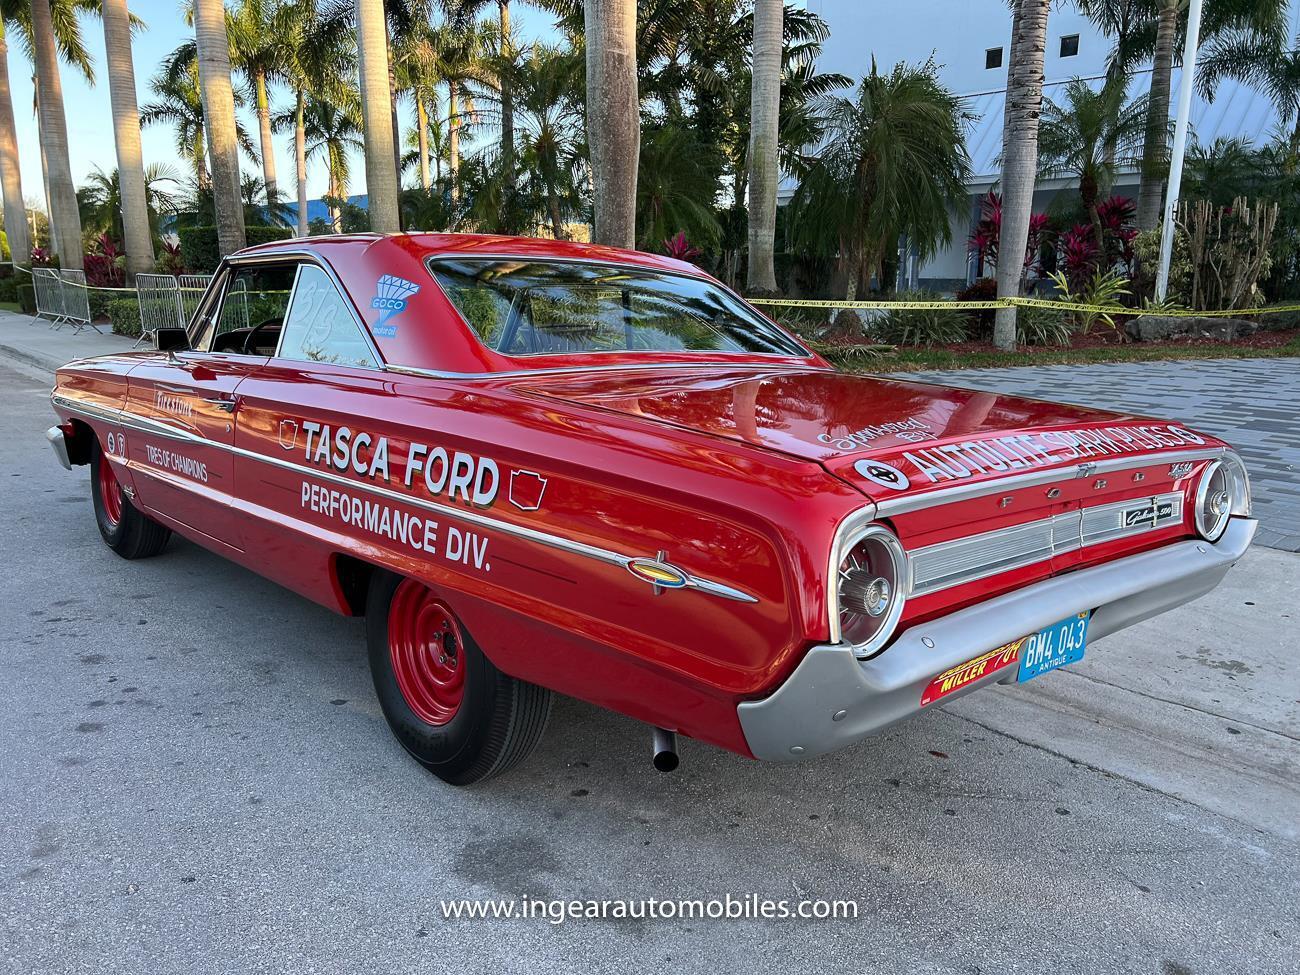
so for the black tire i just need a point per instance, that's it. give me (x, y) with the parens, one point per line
(130, 534)
(497, 721)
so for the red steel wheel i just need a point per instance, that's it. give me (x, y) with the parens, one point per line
(428, 652)
(110, 491)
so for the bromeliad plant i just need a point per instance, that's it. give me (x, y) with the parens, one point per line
(1099, 298)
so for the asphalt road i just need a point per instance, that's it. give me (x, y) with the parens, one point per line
(196, 777)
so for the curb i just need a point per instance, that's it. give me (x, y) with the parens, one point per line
(30, 359)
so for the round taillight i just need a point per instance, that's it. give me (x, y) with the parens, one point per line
(1223, 491)
(872, 588)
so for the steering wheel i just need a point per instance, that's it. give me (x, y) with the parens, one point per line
(250, 340)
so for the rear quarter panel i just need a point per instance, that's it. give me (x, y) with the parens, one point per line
(741, 516)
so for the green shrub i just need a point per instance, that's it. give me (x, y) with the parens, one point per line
(1042, 326)
(9, 288)
(27, 298)
(920, 326)
(124, 313)
(201, 254)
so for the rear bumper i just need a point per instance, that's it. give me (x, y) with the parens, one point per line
(59, 444)
(833, 699)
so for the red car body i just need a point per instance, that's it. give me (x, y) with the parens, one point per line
(654, 532)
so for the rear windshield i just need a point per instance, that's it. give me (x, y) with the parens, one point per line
(521, 307)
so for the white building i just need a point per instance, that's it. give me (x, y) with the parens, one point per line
(970, 41)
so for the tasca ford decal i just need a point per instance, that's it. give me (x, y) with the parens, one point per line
(954, 461)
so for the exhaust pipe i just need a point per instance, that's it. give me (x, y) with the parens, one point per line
(665, 750)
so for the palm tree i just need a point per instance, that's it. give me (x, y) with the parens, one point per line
(458, 57)
(550, 105)
(1019, 153)
(319, 57)
(126, 136)
(894, 163)
(213, 47)
(258, 31)
(11, 179)
(376, 110)
(65, 220)
(1090, 135)
(613, 118)
(675, 189)
(332, 133)
(764, 115)
(1272, 69)
(101, 200)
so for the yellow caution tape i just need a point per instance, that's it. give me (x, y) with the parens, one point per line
(1066, 306)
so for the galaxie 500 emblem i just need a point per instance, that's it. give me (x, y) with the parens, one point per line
(391, 296)
(1151, 513)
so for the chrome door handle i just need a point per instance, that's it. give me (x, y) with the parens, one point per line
(226, 404)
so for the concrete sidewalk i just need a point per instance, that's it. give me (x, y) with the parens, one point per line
(31, 342)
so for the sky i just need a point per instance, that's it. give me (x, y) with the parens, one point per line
(90, 122)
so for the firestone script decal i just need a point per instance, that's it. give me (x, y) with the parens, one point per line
(428, 469)
(951, 462)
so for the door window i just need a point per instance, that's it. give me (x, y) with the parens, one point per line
(321, 326)
(252, 310)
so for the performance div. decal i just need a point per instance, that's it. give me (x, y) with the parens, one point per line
(951, 462)
(169, 460)
(912, 430)
(386, 521)
(456, 474)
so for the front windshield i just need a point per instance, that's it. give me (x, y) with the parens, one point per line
(522, 307)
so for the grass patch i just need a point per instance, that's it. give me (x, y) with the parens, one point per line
(921, 359)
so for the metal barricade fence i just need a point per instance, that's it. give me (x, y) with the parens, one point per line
(159, 296)
(76, 300)
(192, 287)
(49, 295)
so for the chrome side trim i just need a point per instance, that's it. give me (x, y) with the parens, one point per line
(148, 425)
(966, 492)
(962, 560)
(607, 367)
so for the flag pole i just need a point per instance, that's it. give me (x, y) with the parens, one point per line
(1180, 146)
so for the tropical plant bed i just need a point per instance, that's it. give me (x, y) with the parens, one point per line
(1083, 348)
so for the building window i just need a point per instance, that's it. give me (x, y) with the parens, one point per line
(993, 57)
(1069, 45)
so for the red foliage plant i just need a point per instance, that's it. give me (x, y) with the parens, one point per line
(985, 237)
(103, 269)
(680, 248)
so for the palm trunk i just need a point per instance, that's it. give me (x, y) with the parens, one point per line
(201, 160)
(11, 177)
(613, 118)
(64, 213)
(137, 235)
(376, 110)
(553, 205)
(335, 194)
(422, 120)
(1019, 157)
(764, 112)
(507, 102)
(1155, 159)
(453, 137)
(268, 144)
(219, 122)
(300, 161)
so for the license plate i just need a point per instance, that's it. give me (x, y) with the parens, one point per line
(1053, 647)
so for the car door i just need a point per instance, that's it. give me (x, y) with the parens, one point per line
(187, 403)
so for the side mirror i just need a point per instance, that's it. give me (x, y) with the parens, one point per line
(171, 340)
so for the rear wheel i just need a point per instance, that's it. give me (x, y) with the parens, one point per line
(447, 704)
(124, 528)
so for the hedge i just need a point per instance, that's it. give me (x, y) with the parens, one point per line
(27, 298)
(124, 313)
(201, 254)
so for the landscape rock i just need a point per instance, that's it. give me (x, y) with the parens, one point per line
(1161, 328)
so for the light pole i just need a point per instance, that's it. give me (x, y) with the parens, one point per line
(1180, 146)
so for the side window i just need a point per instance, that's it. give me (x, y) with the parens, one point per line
(252, 310)
(320, 326)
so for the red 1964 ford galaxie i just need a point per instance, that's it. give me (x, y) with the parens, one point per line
(538, 466)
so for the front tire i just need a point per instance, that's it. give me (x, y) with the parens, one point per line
(123, 527)
(446, 703)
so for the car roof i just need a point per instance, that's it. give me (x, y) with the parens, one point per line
(494, 245)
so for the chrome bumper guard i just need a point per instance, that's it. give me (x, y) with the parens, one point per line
(59, 445)
(833, 699)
